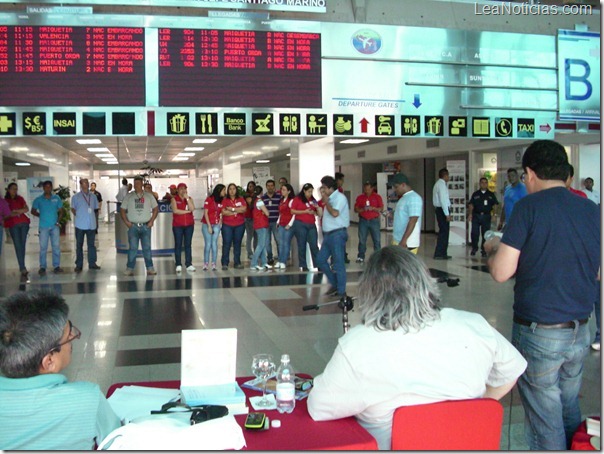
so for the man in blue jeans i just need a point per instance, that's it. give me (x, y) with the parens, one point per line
(49, 207)
(271, 200)
(369, 205)
(84, 206)
(336, 219)
(138, 211)
(552, 245)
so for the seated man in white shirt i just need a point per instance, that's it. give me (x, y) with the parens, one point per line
(409, 351)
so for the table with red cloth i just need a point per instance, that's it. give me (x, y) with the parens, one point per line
(581, 439)
(298, 430)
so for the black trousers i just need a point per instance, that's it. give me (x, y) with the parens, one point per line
(442, 242)
(481, 222)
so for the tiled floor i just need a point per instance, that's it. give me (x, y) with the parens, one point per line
(131, 325)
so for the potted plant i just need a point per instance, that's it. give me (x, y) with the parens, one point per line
(64, 193)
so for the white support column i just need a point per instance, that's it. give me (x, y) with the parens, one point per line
(231, 173)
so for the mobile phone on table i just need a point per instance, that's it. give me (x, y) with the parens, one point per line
(255, 421)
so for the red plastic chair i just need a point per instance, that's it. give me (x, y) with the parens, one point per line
(467, 425)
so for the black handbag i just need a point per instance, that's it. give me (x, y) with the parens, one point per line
(199, 413)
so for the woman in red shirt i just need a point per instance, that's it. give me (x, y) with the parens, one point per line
(249, 222)
(306, 209)
(233, 226)
(17, 224)
(260, 217)
(285, 232)
(183, 226)
(211, 224)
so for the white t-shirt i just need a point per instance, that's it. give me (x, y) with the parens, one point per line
(372, 373)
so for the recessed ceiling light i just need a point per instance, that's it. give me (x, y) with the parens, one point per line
(351, 141)
(18, 149)
(88, 141)
(105, 177)
(237, 156)
(250, 153)
(194, 148)
(178, 158)
(36, 155)
(22, 164)
(112, 162)
(205, 140)
(50, 160)
(184, 175)
(97, 149)
(105, 155)
(263, 161)
(185, 154)
(288, 154)
(270, 148)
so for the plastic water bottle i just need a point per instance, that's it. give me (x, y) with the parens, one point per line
(491, 233)
(286, 388)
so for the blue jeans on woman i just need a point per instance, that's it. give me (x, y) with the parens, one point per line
(232, 236)
(210, 242)
(53, 233)
(549, 388)
(18, 233)
(183, 233)
(285, 241)
(260, 251)
(306, 234)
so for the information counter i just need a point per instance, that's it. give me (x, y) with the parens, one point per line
(162, 238)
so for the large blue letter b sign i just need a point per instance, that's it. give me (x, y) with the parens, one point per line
(577, 86)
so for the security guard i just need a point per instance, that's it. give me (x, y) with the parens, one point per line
(480, 206)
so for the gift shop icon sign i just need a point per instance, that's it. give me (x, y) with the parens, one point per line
(342, 126)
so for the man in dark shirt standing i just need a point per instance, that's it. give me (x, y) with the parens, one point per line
(552, 244)
(99, 199)
(480, 206)
(271, 200)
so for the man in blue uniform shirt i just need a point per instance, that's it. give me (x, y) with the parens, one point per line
(513, 192)
(335, 222)
(83, 206)
(480, 206)
(552, 245)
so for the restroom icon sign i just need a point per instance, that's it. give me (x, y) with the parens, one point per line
(289, 124)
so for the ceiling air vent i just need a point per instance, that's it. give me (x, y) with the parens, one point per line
(432, 143)
(361, 154)
(393, 149)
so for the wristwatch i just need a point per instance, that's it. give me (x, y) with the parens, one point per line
(233, 209)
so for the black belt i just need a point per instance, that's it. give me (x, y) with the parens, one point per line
(524, 322)
(334, 231)
(140, 224)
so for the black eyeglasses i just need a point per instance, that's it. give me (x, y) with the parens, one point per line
(74, 333)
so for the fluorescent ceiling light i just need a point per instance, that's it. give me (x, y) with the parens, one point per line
(22, 164)
(112, 162)
(18, 149)
(36, 155)
(205, 140)
(105, 177)
(184, 175)
(97, 149)
(351, 141)
(270, 148)
(251, 153)
(263, 161)
(194, 149)
(105, 155)
(88, 141)
(108, 159)
(237, 156)
(178, 158)
(288, 154)
(185, 154)
(50, 160)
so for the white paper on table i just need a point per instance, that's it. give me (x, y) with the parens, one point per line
(130, 402)
(208, 356)
(270, 397)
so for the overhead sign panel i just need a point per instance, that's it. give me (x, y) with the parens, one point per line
(579, 75)
(72, 66)
(239, 68)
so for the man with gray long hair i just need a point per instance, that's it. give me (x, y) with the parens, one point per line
(40, 410)
(409, 351)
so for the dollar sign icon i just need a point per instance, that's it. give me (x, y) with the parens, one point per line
(28, 124)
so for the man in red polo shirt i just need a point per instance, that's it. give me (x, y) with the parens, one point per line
(368, 206)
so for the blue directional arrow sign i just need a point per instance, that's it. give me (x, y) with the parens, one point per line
(416, 102)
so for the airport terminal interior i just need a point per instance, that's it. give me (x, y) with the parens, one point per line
(131, 325)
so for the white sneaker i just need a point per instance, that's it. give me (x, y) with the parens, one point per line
(279, 266)
(595, 346)
(268, 267)
(191, 268)
(259, 268)
(179, 269)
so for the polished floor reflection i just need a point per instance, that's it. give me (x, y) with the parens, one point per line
(131, 325)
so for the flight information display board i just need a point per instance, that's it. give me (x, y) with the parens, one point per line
(72, 66)
(239, 68)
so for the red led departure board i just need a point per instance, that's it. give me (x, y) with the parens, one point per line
(239, 68)
(72, 66)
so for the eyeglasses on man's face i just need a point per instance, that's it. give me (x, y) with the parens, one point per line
(74, 333)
